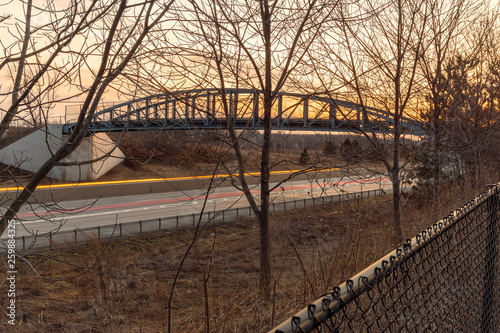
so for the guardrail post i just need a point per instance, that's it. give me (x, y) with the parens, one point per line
(491, 238)
(490, 263)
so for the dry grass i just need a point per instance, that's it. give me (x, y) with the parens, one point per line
(127, 288)
(126, 285)
(156, 169)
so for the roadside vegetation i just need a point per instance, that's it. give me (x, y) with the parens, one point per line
(123, 285)
(434, 61)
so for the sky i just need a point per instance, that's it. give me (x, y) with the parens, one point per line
(11, 30)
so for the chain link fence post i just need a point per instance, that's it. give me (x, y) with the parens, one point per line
(490, 264)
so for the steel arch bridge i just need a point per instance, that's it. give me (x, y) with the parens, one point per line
(203, 109)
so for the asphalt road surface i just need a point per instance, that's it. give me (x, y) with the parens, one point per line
(69, 215)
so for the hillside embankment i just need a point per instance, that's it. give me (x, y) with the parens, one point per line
(125, 285)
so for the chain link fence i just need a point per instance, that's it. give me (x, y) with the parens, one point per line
(443, 280)
(67, 237)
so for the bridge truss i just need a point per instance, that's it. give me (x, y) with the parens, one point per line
(204, 109)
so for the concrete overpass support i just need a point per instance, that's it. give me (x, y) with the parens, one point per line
(32, 151)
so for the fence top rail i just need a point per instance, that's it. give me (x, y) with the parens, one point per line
(323, 308)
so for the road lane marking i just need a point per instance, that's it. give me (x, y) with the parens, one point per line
(77, 216)
(186, 200)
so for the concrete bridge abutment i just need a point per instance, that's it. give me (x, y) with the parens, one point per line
(33, 150)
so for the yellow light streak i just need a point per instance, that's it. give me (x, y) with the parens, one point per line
(149, 180)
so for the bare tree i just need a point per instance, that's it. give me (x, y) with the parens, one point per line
(471, 119)
(38, 70)
(450, 33)
(246, 45)
(391, 55)
(370, 56)
(114, 33)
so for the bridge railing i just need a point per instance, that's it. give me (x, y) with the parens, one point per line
(215, 109)
(445, 279)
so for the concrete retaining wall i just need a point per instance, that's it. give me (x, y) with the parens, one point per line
(32, 151)
(91, 148)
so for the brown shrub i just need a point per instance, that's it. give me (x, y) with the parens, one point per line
(173, 148)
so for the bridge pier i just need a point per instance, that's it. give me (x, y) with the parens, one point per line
(333, 115)
(32, 151)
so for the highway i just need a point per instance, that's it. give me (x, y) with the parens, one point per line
(69, 215)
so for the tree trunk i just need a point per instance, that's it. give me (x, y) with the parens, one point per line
(396, 190)
(9, 116)
(396, 200)
(265, 243)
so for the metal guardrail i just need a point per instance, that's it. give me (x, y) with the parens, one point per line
(51, 239)
(445, 279)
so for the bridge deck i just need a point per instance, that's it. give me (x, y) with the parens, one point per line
(209, 109)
